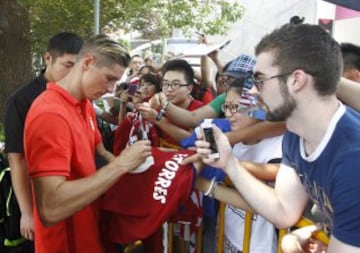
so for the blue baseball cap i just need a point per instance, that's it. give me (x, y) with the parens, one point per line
(240, 66)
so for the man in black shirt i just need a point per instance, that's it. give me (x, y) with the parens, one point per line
(59, 59)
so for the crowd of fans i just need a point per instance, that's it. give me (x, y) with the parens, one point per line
(143, 122)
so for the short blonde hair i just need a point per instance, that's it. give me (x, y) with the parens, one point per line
(106, 51)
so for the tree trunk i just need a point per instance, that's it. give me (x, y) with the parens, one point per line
(15, 49)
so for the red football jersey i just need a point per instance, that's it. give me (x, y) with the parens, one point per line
(138, 204)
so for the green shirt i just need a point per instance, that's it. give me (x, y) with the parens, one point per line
(217, 102)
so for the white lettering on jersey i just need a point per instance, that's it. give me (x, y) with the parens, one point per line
(165, 177)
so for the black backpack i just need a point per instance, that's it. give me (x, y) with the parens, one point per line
(10, 235)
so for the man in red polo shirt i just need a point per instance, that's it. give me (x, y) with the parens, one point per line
(61, 138)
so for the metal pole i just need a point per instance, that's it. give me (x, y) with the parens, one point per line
(96, 17)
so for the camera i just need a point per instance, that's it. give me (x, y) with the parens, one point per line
(131, 89)
(122, 86)
(209, 137)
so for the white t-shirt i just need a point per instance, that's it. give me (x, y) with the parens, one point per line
(263, 234)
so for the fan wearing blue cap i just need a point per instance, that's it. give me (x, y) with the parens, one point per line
(241, 113)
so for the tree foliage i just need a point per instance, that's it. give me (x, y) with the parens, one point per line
(155, 18)
(27, 25)
(159, 17)
(15, 48)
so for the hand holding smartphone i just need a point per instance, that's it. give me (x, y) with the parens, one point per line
(206, 126)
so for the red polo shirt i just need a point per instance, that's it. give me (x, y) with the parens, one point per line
(60, 138)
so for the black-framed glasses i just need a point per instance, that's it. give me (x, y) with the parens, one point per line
(174, 85)
(240, 108)
(251, 79)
